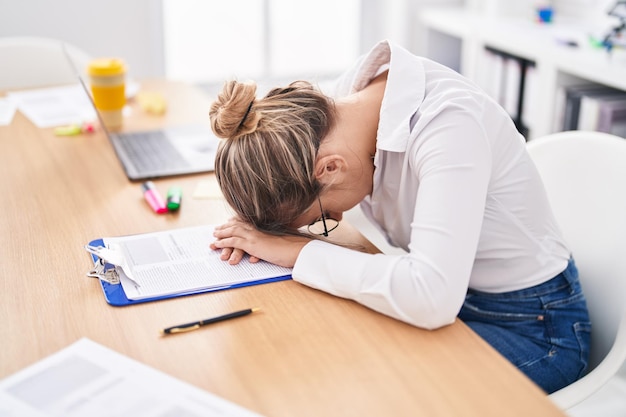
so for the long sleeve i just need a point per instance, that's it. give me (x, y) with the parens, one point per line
(427, 286)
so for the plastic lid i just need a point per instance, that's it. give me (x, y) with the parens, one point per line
(106, 66)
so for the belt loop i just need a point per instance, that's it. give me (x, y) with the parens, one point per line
(571, 273)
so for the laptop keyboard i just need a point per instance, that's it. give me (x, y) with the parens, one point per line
(151, 151)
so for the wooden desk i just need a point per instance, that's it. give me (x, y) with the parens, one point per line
(306, 354)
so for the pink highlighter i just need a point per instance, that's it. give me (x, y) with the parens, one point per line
(153, 197)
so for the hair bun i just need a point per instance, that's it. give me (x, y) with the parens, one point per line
(232, 114)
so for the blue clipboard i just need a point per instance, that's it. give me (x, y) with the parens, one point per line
(114, 293)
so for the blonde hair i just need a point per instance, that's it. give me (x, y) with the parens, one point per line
(266, 164)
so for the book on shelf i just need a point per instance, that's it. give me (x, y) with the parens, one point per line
(591, 105)
(612, 117)
(578, 107)
(510, 80)
(573, 97)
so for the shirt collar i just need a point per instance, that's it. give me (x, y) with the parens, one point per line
(403, 94)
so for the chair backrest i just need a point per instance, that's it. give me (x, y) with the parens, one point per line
(30, 62)
(585, 177)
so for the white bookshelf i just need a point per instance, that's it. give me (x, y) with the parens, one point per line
(457, 37)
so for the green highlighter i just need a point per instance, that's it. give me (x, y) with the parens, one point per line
(174, 196)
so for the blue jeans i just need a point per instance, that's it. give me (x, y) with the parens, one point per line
(543, 330)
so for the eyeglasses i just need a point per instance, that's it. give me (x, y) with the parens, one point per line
(323, 225)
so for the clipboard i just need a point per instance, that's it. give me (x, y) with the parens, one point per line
(114, 293)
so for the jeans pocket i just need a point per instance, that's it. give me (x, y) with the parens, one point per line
(583, 336)
(499, 312)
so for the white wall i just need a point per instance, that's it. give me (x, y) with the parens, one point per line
(130, 29)
(396, 20)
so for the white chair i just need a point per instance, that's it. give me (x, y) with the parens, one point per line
(585, 177)
(31, 62)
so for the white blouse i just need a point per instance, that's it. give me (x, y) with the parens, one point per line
(453, 186)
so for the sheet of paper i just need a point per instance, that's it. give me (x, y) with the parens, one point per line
(54, 106)
(7, 111)
(88, 379)
(207, 190)
(180, 260)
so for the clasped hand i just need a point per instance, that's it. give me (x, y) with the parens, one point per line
(235, 238)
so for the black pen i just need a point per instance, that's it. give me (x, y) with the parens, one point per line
(197, 324)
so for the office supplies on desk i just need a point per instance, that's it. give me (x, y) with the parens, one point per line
(173, 263)
(174, 197)
(152, 102)
(74, 129)
(177, 150)
(89, 379)
(187, 327)
(154, 199)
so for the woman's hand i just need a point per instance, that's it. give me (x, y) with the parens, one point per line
(236, 238)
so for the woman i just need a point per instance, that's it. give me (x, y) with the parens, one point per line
(441, 170)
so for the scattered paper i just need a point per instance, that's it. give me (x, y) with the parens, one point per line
(7, 111)
(55, 106)
(88, 379)
(207, 190)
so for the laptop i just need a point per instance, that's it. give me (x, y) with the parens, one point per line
(178, 150)
(165, 152)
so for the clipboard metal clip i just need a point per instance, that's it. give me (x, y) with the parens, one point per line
(105, 272)
(110, 265)
(102, 269)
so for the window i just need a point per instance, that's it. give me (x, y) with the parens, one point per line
(210, 41)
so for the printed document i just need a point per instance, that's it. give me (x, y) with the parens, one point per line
(88, 379)
(179, 261)
(54, 106)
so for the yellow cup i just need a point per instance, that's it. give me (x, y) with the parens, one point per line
(108, 88)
